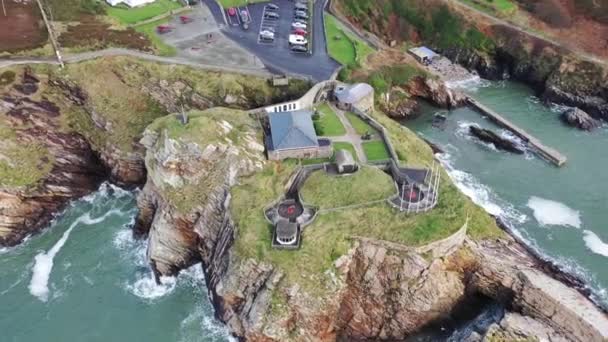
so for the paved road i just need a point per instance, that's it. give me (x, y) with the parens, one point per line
(277, 58)
(80, 57)
(498, 21)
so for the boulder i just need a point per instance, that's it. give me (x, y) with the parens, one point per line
(501, 143)
(580, 119)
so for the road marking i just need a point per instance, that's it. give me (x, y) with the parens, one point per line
(265, 24)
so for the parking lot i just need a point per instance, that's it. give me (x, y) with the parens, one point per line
(277, 55)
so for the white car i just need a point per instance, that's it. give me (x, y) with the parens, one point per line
(295, 39)
(266, 34)
(298, 25)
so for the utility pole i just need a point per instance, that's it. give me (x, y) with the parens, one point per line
(51, 34)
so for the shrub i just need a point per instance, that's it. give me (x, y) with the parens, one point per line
(7, 77)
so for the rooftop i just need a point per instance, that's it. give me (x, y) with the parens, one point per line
(424, 52)
(353, 93)
(292, 130)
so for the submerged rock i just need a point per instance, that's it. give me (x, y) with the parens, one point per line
(501, 143)
(578, 118)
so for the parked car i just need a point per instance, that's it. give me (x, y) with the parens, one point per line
(300, 32)
(300, 20)
(300, 6)
(294, 39)
(298, 25)
(232, 11)
(271, 15)
(301, 15)
(266, 35)
(299, 48)
(272, 7)
(268, 28)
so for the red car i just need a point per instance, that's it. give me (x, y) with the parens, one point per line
(299, 32)
(232, 11)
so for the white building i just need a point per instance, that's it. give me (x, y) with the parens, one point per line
(130, 3)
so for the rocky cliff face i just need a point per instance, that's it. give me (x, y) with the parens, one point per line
(421, 87)
(67, 166)
(556, 74)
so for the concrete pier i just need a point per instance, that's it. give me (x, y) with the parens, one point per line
(544, 151)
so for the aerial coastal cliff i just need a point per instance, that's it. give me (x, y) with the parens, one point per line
(493, 49)
(371, 279)
(66, 131)
(365, 272)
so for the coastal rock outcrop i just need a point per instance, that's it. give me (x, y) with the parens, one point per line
(189, 174)
(43, 166)
(579, 119)
(499, 142)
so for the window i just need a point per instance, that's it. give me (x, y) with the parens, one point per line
(284, 108)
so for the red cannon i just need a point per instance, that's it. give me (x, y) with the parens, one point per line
(164, 29)
(185, 19)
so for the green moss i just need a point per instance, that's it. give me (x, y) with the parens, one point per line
(367, 185)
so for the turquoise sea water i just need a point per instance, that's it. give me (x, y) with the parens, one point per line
(562, 212)
(86, 279)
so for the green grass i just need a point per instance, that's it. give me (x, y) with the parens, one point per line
(498, 7)
(360, 126)
(343, 47)
(375, 150)
(337, 146)
(331, 234)
(346, 146)
(366, 185)
(160, 46)
(22, 164)
(237, 3)
(328, 123)
(128, 16)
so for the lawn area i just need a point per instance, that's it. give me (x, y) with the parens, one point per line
(236, 3)
(337, 146)
(149, 30)
(346, 146)
(345, 48)
(366, 185)
(497, 7)
(360, 126)
(329, 236)
(127, 15)
(327, 122)
(375, 150)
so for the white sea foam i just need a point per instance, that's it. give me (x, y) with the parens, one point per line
(479, 193)
(548, 212)
(595, 244)
(43, 262)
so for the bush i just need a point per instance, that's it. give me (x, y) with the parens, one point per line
(344, 74)
(7, 77)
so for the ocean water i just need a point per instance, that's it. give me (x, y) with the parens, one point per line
(86, 279)
(561, 212)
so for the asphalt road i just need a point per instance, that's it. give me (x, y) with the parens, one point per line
(277, 57)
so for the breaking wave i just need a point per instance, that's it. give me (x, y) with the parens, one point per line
(595, 244)
(479, 193)
(43, 262)
(548, 212)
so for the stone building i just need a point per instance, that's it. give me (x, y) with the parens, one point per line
(345, 162)
(423, 54)
(292, 135)
(359, 95)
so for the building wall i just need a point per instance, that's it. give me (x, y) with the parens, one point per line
(305, 102)
(302, 153)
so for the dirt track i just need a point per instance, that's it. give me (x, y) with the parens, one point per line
(22, 27)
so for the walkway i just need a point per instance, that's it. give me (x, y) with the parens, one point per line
(351, 135)
(85, 56)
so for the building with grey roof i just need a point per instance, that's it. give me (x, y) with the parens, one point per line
(423, 54)
(359, 95)
(345, 162)
(292, 135)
